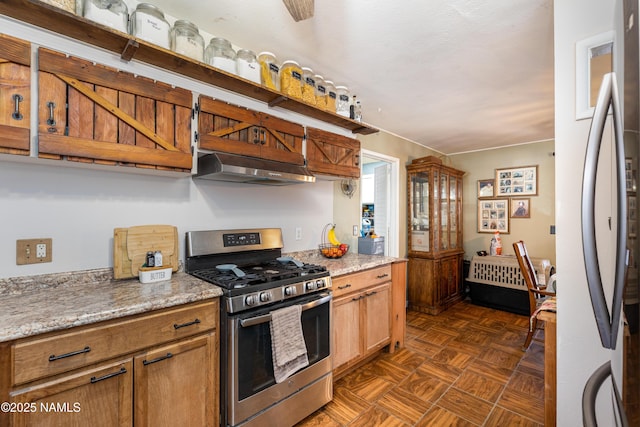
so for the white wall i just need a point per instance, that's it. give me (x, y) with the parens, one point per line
(579, 348)
(79, 208)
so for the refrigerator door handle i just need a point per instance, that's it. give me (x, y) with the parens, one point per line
(608, 325)
(590, 393)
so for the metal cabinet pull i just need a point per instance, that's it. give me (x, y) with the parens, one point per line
(256, 135)
(381, 276)
(51, 121)
(263, 137)
(53, 357)
(357, 159)
(371, 293)
(111, 375)
(159, 359)
(17, 99)
(348, 285)
(177, 326)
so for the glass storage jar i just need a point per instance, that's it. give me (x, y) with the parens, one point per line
(68, 5)
(247, 65)
(331, 96)
(112, 13)
(148, 23)
(269, 70)
(291, 79)
(342, 101)
(321, 92)
(308, 86)
(186, 40)
(221, 55)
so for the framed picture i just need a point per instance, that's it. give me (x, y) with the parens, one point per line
(631, 228)
(493, 215)
(594, 58)
(631, 208)
(485, 188)
(520, 181)
(520, 208)
(629, 175)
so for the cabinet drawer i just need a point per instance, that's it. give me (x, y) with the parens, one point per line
(342, 285)
(41, 357)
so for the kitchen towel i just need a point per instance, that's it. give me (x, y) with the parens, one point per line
(288, 348)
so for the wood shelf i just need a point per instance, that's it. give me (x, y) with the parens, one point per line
(128, 47)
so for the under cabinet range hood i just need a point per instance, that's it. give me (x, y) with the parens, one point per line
(234, 168)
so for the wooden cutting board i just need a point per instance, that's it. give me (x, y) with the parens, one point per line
(130, 247)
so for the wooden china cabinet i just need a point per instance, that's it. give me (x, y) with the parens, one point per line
(435, 235)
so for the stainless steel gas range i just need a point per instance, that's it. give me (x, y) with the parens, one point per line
(256, 280)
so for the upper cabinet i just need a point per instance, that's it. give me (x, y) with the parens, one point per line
(332, 154)
(92, 113)
(129, 47)
(15, 95)
(237, 130)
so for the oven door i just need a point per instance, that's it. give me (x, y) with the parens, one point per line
(250, 382)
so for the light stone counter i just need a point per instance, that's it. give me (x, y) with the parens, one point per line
(33, 305)
(350, 263)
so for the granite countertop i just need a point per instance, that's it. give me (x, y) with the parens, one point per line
(33, 305)
(350, 263)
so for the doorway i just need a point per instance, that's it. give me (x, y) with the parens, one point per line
(379, 199)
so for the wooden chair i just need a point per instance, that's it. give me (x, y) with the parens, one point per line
(537, 292)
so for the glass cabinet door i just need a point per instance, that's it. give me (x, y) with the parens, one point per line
(453, 208)
(419, 203)
(444, 212)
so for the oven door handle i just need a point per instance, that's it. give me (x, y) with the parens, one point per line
(252, 321)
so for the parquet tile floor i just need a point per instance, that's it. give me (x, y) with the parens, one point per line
(463, 367)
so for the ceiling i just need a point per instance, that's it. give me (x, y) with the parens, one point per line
(452, 75)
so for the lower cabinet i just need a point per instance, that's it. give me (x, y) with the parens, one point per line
(173, 381)
(434, 284)
(361, 317)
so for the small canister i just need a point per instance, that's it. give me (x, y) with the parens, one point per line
(308, 86)
(331, 96)
(321, 92)
(186, 40)
(157, 259)
(150, 259)
(291, 79)
(220, 54)
(342, 101)
(112, 13)
(269, 70)
(148, 23)
(247, 65)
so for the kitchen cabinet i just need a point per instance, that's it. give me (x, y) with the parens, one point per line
(161, 365)
(92, 113)
(331, 154)
(362, 317)
(237, 130)
(435, 235)
(15, 95)
(128, 47)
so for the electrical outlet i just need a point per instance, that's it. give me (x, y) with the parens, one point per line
(298, 233)
(33, 251)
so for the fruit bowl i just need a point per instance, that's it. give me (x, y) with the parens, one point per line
(333, 251)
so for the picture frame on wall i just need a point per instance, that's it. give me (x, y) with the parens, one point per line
(493, 215)
(520, 208)
(485, 188)
(629, 174)
(520, 181)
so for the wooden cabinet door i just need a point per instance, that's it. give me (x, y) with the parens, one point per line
(96, 397)
(450, 278)
(237, 130)
(15, 95)
(175, 384)
(347, 329)
(377, 307)
(332, 154)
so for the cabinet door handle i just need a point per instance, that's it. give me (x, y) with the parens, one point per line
(17, 99)
(178, 326)
(53, 357)
(159, 359)
(256, 135)
(111, 375)
(371, 293)
(51, 121)
(357, 159)
(348, 285)
(263, 137)
(381, 276)
(358, 298)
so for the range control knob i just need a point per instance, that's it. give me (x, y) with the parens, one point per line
(265, 296)
(290, 290)
(251, 299)
(311, 286)
(320, 283)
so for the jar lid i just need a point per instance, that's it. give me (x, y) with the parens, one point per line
(290, 62)
(185, 23)
(319, 77)
(307, 69)
(149, 6)
(342, 88)
(246, 53)
(266, 53)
